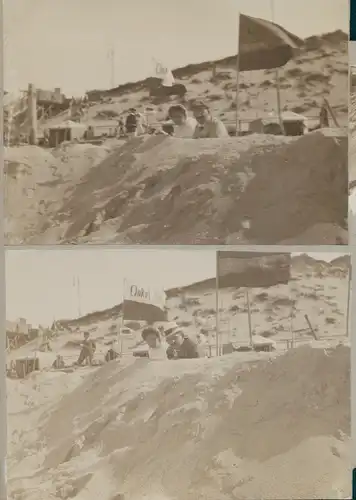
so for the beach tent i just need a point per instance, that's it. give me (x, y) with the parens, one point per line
(294, 124)
(65, 131)
(260, 343)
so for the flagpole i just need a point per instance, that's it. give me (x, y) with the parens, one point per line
(249, 315)
(348, 305)
(217, 304)
(278, 88)
(78, 294)
(237, 115)
(120, 340)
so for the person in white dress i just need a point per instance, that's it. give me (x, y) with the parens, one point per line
(157, 346)
(184, 125)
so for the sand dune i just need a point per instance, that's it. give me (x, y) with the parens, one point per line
(175, 191)
(193, 429)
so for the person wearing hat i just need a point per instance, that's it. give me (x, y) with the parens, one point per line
(208, 126)
(157, 346)
(183, 347)
(184, 125)
(134, 123)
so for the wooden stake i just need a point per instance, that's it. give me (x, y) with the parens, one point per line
(331, 111)
(313, 332)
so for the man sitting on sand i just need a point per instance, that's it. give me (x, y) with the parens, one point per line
(208, 126)
(157, 346)
(58, 363)
(87, 351)
(184, 125)
(183, 347)
(111, 354)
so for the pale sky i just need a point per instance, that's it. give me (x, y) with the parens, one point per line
(65, 43)
(39, 283)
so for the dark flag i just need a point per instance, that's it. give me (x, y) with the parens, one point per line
(352, 19)
(253, 269)
(144, 303)
(264, 45)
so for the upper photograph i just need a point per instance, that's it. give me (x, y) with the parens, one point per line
(188, 122)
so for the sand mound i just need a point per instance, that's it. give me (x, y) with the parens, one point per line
(169, 191)
(36, 183)
(206, 429)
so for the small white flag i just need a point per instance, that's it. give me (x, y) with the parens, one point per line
(164, 74)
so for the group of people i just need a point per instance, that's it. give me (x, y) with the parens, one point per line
(172, 343)
(163, 343)
(201, 125)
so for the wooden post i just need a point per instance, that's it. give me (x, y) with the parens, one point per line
(32, 113)
(279, 105)
(249, 315)
(217, 333)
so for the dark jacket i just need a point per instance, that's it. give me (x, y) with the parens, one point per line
(188, 350)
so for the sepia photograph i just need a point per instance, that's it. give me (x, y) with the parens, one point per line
(129, 123)
(177, 375)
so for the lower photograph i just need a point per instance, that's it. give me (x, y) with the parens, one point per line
(177, 374)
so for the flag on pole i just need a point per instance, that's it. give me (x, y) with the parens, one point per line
(253, 269)
(143, 303)
(264, 44)
(164, 74)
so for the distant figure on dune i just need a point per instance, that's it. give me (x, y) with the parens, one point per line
(87, 351)
(134, 123)
(208, 126)
(324, 115)
(184, 125)
(157, 347)
(58, 363)
(111, 354)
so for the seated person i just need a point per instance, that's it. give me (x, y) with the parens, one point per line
(58, 363)
(184, 125)
(183, 347)
(111, 354)
(157, 346)
(208, 127)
